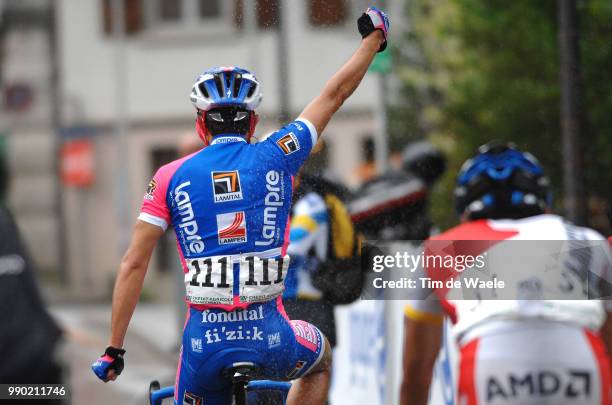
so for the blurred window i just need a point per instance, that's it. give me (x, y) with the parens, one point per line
(188, 15)
(266, 12)
(328, 12)
(170, 10)
(210, 9)
(132, 16)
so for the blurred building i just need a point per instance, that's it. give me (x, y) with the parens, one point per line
(25, 122)
(138, 86)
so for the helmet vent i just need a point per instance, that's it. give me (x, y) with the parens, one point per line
(228, 78)
(251, 90)
(237, 83)
(204, 90)
(219, 85)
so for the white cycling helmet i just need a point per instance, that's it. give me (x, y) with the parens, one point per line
(226, 86)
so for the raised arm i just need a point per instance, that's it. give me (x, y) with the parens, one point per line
(373, 25)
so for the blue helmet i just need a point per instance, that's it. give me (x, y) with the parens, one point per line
(500, 181)
(226, 87)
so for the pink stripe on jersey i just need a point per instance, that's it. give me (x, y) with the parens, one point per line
(182, 257)
(286, 240)
(305, 333)
(225, 307)
(281, 308)
(178, 374)
(154, 202)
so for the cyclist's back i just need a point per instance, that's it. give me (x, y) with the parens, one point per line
(528, 348)
(535, 341)
(229, 204)
(551, 270)
(231, 176)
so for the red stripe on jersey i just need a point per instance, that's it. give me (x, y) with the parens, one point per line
(603, 361)
(467, 374)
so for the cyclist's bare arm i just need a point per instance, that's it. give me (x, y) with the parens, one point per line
(131, 278)
(343, 83)
(422, 341)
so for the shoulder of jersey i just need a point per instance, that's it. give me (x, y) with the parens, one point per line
(475, 230)
(503, 229)
(591, 234)
(175, 164)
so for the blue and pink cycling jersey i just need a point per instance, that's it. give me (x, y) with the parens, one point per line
(229, 204)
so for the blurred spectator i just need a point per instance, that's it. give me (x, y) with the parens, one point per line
(367, 170)
(393, 206)
(29, 337)
(424, 160)
(325, 269)
(610, 219)
(318, 278)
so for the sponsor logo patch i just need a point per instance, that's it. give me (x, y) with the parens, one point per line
(296, 370)
(231, 228)
(306, 335)
(196, 345)
(239, 315)
(288, 143)
(274, 340)
(187, 227)
(150, 190)
(574, 383)
(273, 200)
(226, 186)
(216, 335)
(192, 399)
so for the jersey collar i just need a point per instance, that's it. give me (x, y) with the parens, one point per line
(227, 138)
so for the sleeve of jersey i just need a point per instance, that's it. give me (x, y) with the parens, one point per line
(293, 143)
(154, 208)
(427, 310)
(424, 305)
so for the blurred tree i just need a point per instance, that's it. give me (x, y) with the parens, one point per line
(476, 70)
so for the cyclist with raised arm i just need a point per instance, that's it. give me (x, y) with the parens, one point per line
(229, 205)
(517, 346)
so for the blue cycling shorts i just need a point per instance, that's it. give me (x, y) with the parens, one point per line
(213, 339)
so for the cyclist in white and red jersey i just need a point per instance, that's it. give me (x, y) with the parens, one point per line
(229, 205)
(524, 349)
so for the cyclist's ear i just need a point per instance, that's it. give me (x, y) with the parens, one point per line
(252, 125)
(200, 125)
